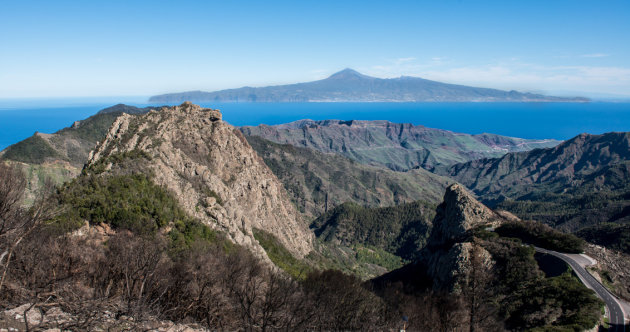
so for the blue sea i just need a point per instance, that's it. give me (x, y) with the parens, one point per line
(19, 119)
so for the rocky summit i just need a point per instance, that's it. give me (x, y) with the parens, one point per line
(212, 170)
(459, 214)
(450, 247)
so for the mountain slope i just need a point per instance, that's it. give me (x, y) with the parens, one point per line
(315, 180)
(209, 166)
(69, 145)
(394, 145)
(349, 85)
(60, 156)
(568, 162)
(401, 230)
(580, 182)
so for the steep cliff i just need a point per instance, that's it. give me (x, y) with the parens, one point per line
(215, 174)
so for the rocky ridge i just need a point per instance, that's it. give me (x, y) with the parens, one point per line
(582, 160)
(399, 146)
(212, 170)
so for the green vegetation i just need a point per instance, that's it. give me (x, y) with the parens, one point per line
(613, 236)
(527, 300)
(130, 202)
(70, 144)
(211, 193)
(582, 182)
(378, 257)
(280, 256)
(33, 150)
(328, 256)
(401, 230)
(127, 160)
(535, 305)
(541, 235)
(91, 129)
(574, 209)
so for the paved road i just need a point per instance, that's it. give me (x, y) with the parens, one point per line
(615, 313)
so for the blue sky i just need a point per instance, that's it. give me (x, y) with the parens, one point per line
(140, 48)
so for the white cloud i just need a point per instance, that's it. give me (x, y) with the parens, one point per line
(511, 74)
(595, 55)
(401, 61)
(532, 77)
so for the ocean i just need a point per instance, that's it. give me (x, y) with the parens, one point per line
(20, 119)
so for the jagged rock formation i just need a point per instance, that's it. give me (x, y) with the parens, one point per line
(458, 215)
(212, 170)
(450, 248)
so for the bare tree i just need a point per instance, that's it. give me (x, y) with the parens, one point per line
(133, 266)
(449, 311)
(16, 222)
(477, 292)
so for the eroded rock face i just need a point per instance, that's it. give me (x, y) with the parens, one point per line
(458, 215)
(450, 248)
(450, 268)
(215, 174)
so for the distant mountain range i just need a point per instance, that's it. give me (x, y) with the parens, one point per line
(399, 146)
(351, 86)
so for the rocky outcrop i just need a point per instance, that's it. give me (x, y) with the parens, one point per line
(450, 268)
(458, 215)
(31, 317)
(451, 248)
(613, 267)
(212, 170)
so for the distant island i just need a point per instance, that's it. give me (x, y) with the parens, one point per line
(351, 86)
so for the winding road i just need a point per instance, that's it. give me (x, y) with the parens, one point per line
(615, 312)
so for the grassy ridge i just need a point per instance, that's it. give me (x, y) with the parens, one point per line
(33, 150)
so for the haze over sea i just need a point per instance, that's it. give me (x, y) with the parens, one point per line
(19, 119)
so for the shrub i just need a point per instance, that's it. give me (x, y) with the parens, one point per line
(542, 236)
(280, 256)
